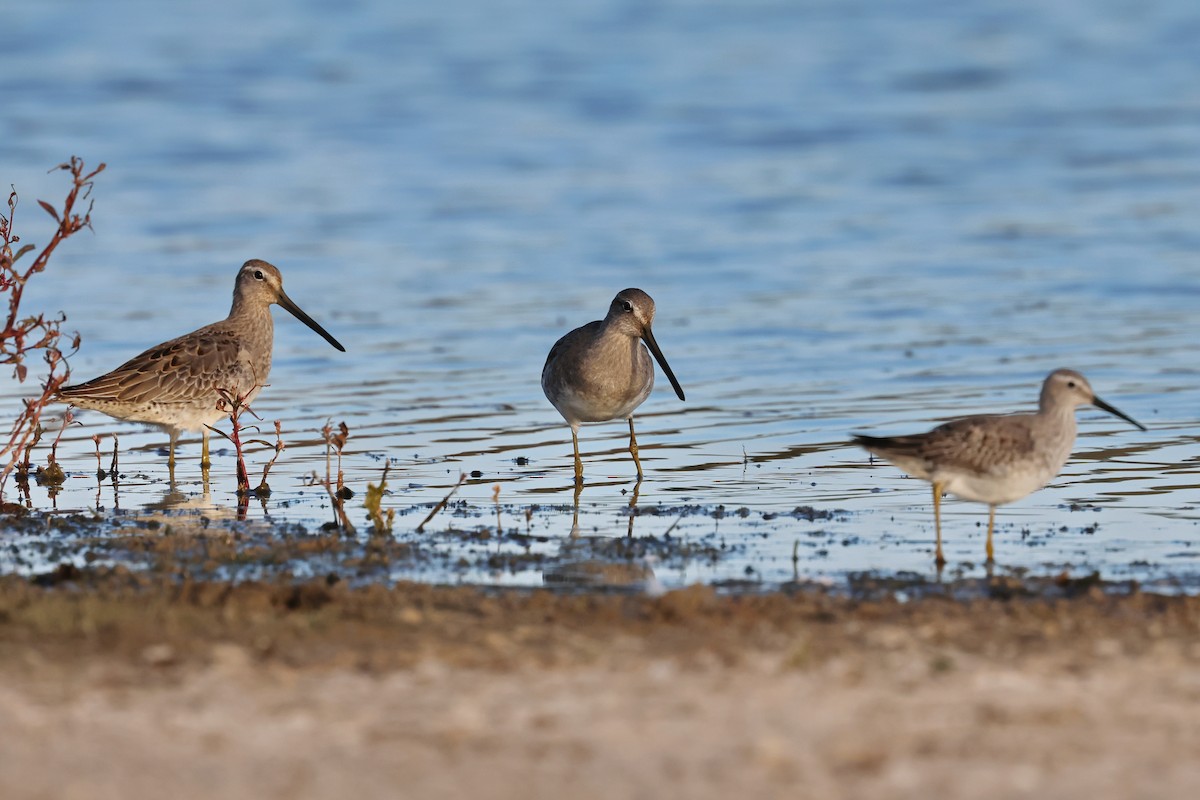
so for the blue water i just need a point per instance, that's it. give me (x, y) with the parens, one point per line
(853, 216)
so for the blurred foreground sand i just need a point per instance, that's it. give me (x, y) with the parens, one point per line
(135, 691)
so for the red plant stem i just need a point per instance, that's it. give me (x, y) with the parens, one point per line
(68, 223)
(243, 480)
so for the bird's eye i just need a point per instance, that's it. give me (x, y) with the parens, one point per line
(628, 306)
(258, 275)
(1070, 384)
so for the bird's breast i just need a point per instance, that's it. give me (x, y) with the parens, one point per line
(604, 381)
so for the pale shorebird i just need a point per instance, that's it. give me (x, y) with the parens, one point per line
(995, 459)
(601, 371)
(178, 385)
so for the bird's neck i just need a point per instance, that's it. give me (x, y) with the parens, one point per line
(256, 327)
(1057, 421)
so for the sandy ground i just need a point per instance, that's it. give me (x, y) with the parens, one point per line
(111, 687)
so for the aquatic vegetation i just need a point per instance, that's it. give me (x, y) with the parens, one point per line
(100, 473)
(24, 334)
(335, 440)
(52, 474)
(263, 489)
(237, 405)
(382, 523)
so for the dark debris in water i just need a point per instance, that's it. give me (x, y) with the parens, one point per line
(192, 545)
(485, 542)
(1009, 586)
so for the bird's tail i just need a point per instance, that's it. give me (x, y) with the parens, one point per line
(892, 445)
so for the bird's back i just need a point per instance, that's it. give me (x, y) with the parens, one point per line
(992, 458)
(178, 383)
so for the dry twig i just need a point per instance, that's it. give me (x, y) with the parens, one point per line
(462, 476)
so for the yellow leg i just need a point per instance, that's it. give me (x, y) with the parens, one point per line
(205, 463)
(937, 523)
(171, 459)
(578, 460)
(991, 525)
(633, 449)
(575, 512)
(637, 487)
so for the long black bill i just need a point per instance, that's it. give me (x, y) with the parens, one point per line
(662, 362)
(287, 303)
(1098, 403)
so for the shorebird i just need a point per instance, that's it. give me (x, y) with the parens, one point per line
(179, 385)
(995, 459)
(601, 371)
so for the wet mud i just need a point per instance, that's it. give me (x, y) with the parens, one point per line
(117, 611)
(117, 682)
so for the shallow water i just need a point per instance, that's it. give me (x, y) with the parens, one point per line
(852, 217)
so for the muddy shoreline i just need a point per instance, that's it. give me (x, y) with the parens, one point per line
(117, 613)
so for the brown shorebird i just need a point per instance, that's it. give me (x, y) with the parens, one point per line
(600, 372)
(186, 384)
(995, 459)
